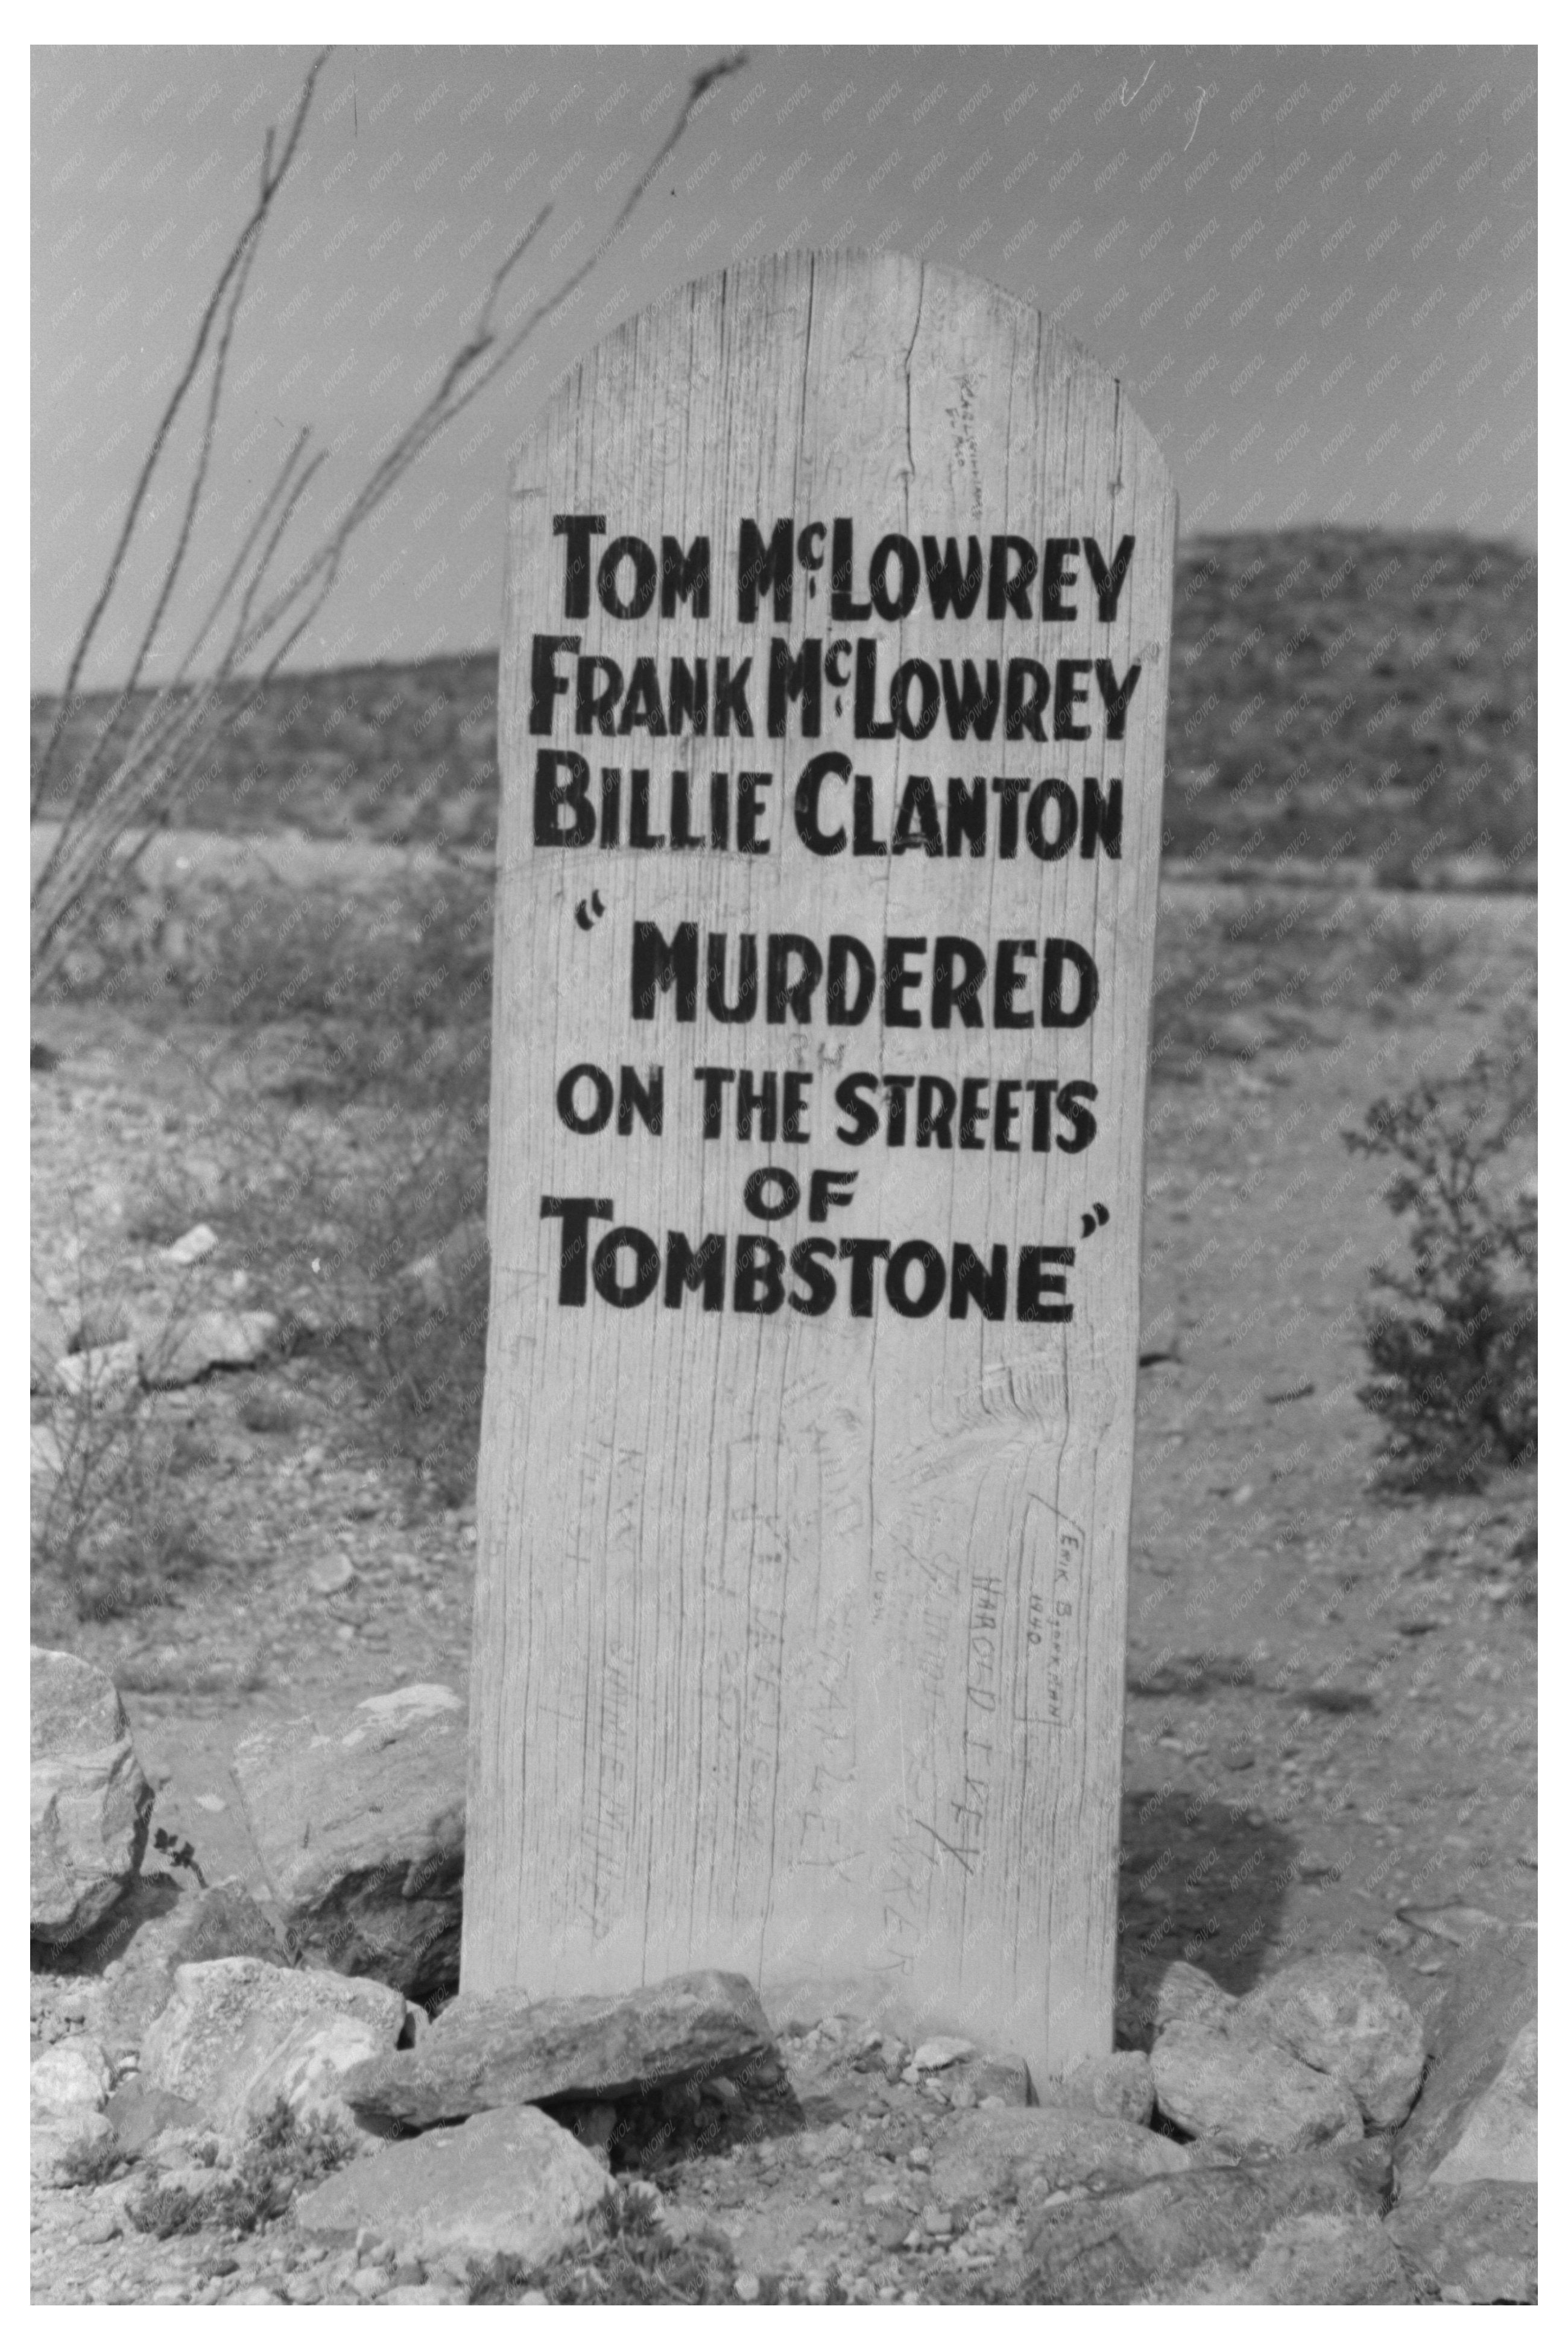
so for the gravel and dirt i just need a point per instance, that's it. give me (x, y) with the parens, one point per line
(1331, 1712)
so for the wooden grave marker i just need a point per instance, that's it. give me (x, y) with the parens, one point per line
(832, 725)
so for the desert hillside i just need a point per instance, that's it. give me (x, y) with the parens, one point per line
(1350, 697)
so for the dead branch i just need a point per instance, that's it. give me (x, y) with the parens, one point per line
(123, 791)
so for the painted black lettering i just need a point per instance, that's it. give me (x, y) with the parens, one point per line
(645, 578)
(953, 589)
(561, 791)
(577, 530)
(1108, 577)
(973, 1284)
(683, 579)
(659, 963)
(786, 994)
(745, 1004)
(958, 973)
(1036, 1287)
(687, 1268)
(576, 1215)
(764, 566)
(545, 686)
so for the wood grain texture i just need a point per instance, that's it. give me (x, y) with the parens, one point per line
(754, 1684)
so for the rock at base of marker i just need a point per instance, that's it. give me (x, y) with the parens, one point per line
(1307, 2229)
(1223, 2080)
(501, 2049)
(162, 1924)
(510, 2180)
(1342, 2014)
(1476, 2241)
(1024, 2153)
(1476, 2114)
(239, 2034)
(1120, 2087)
(358, 1821)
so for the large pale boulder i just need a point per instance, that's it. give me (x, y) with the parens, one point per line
(91, 1803)
(1342, 2014)
(358, 1821)
(1224, 2082)
(508, 2181)
(503, 2049)
(238, 2034)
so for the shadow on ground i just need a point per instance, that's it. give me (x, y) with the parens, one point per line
(1201, 1882)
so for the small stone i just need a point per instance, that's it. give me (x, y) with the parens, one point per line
(69, 2080)
(221, 1338)
(1120, 2085)
(918, 2157)
(103, 1324)
(191, 1246)
(934, 2055)
(99, 1370)
(330, 1576)
(747, 2286)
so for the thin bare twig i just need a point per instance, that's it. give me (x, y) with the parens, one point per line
(128, 790)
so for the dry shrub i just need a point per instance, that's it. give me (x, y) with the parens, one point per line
(1454, 1359)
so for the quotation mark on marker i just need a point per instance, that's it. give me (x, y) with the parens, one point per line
(584, 919)
(1092, 1224)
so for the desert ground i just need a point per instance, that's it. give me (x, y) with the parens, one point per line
(282, 1036)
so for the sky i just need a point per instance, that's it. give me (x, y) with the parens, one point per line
(1314, 270)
